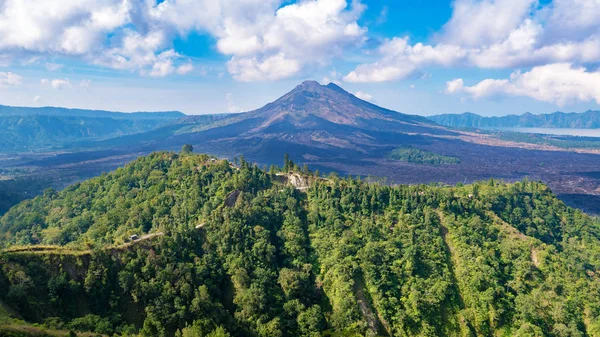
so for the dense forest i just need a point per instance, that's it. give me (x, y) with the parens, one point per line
(230, 249)
(13, 191)
(414, 155)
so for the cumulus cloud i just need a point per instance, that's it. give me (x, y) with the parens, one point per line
(56, 83)
(185, 68)
(261, 36)
(476, 23)
(495, 34)
(295, 36)
(559, 83)
(8, 79)
(59, 83)
(272, 68)
(401, 59)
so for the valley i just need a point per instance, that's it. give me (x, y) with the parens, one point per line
(330, 129)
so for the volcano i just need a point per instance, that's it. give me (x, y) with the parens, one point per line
(311, 104)
(313, 122)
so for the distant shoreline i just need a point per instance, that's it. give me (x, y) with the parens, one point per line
(550, 131)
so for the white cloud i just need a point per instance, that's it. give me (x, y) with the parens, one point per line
(162, 68)
(37, 99)
(53, 66)
(400, 60)
(476, 23)
(456, 85)
(70, 27)
(503, 34)
(560, 83)
(273, 68)
(8, 79)
(363, 95)
(185, 68)
(297, 35)
(138, 35)
(44, 81)
(57, 84)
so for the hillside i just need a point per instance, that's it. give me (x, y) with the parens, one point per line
(43, 132)
(241, 252)
(65, 112)
(24, 129)
(585, 120)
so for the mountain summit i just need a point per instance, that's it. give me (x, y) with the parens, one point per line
(310, 104)
(312, 121)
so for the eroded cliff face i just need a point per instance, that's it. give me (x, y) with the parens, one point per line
(298, 181)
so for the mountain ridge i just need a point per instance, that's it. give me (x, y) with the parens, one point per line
(7, 110)
(24, 129)
(584, 120)
(237, 247)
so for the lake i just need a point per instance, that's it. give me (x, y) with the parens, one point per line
(554, 131)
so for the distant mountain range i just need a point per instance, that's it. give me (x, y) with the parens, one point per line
(37, 129)
(586, 120)
(56, 111)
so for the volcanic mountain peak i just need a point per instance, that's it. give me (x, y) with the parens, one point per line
(310, 103)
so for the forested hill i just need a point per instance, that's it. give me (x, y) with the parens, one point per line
(24, 129)
(242, 252)
(6, 110)
(585, 120)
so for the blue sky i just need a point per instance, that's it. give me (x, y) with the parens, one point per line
(492, 57)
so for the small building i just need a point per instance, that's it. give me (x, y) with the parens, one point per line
(133, 237)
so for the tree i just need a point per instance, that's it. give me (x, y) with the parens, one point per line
(305, 169)
(286, 163)
(219, 332)
(187, 148)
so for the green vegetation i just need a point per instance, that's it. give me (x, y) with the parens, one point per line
(13, 191)
(187, 149)
(39, 132)
(414, 155)
(340, 258)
